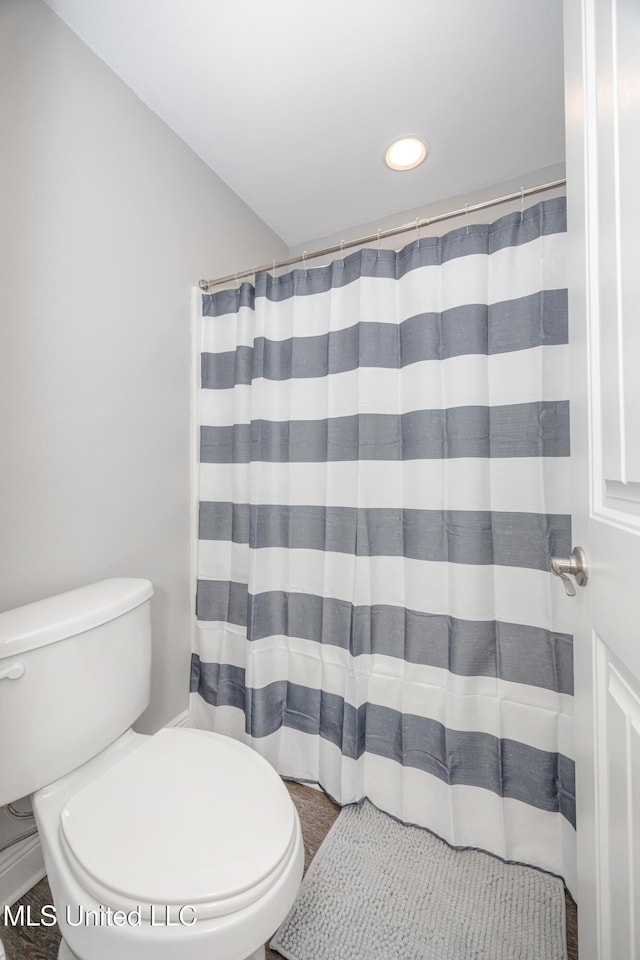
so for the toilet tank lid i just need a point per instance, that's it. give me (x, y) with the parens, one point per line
(68, 614)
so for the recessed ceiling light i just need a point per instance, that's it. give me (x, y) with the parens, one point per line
(405, 154)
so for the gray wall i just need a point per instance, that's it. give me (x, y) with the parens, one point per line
(107, 221)
(504, 188)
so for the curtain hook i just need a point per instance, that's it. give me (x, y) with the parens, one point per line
(304, 262)
(236, 276)
(418, 229)
(521, 204)
(466, 213)
(379, 232)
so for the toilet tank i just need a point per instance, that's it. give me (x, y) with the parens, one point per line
(74, 675)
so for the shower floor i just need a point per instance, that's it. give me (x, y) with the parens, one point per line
(317, 814)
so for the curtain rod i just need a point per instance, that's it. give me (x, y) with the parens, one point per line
(382, 234)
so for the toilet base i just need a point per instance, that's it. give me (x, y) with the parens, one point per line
(66, 953)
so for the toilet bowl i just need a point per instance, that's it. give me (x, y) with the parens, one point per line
(127, 874)
(182, 845)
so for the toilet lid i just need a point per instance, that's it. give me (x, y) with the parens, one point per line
(189, 817)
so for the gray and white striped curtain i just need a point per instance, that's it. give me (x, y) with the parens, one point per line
(384, 476)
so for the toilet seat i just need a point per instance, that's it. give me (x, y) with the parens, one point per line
(187, 818)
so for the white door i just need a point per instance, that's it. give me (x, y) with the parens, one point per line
(602, 65)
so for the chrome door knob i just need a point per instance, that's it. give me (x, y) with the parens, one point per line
(576, 566)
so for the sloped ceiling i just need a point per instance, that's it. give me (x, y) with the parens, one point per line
(294, 102)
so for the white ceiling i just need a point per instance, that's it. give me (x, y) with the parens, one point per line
(294, 102)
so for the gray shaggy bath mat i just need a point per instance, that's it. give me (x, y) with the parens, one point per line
(378, 890)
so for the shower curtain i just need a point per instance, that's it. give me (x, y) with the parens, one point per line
(384, 476)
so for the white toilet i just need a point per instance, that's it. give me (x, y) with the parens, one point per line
(184, 845)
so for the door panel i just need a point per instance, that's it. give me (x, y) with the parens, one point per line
(616, 46)
(620, 802)
(602, 64)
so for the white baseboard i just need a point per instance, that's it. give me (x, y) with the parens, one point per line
(21, 867)
(182, 720)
